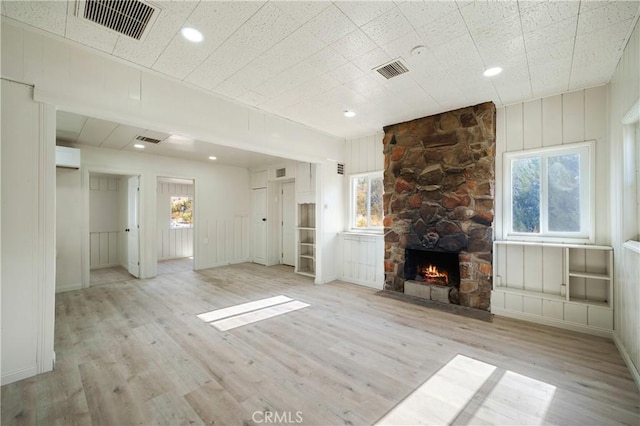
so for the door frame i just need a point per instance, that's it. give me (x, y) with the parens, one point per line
(86, 244)
(194, 202)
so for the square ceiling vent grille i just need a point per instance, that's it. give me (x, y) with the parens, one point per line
(392, 69)
(131, 18)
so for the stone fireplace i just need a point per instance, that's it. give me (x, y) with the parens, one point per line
(438, 199)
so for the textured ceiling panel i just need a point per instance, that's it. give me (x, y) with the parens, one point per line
(310, 60)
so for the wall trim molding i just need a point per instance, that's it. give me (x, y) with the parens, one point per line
(18, 375)
(627, 359)
(552, 322)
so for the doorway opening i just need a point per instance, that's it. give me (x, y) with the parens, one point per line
(113, 228)
(175, 224)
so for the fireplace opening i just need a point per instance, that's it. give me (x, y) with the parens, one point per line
(432, 267)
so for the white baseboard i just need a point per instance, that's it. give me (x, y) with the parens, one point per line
(627, 359)
(218, 264)
(378, 286)
(553, 322)
(110, 265)
(68, 287)
(17, 375)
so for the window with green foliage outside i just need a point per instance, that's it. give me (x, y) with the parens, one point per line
(548, 192)
(181, 212)
(366, 196)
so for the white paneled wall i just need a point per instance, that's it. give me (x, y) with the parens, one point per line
(361, 259)
(625, 92)
(104, 221)
(556, 120)
(230, 239)
(172, 242)
(365, 154)
(361, 256)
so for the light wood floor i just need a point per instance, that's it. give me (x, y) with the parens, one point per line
(134, 352)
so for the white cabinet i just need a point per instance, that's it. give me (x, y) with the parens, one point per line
(565, 285)
(306, 239)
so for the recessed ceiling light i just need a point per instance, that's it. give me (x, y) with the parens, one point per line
(192, 34)
(139, 146)
(490, 72)
(349, 114)
(212, 157)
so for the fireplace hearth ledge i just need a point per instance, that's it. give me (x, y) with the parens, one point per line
(450, 308)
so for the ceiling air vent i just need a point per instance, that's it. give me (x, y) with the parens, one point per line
(127, 17)
(392, 69)
(340, 168)
(281, 172)
(146, 139)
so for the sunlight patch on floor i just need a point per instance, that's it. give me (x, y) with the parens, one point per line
(442, 398)
(247, 313)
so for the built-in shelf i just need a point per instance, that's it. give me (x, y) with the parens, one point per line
(306, 239)
(582, 294)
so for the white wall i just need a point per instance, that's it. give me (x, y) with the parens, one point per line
(173, 243)
(555, 120)
(105, 227)
(221, 207)
(28, 234)
(360, 257)
(68, 230)
(624, 93)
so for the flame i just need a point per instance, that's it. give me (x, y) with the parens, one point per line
(432, 273)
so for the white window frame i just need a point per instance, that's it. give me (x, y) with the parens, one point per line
(171, 197)
(587, 194)
(352, 202)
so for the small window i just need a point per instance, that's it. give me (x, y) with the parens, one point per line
(181, 212)
(366, 201)
(548, 193)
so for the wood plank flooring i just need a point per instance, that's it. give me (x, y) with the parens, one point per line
(134, 352)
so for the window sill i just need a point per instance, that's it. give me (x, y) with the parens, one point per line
(632, 245)
(363, 233)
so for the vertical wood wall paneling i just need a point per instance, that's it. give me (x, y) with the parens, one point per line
(595, 128)
(573, 117)
(515, 266)
(514, 128)
(501, 146)
(532, 124)
(552, 120)
(552, 270)
(532, 268)
(104, 234)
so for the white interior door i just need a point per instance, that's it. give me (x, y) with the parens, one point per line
(259, 219)
(288, 223)
(132, 230)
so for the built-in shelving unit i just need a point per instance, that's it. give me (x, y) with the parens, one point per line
(576, 288)
(306, 239)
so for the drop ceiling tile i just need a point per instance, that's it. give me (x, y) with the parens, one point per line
(262, 31)
(610, 37)
(459, 54)
(543, 14)
(420, 13)
(386, 28)
(354, 44)
(485, 14)
(563, 30)
(326, 60)
(252, 98)
(443, 30)
(171, 18)
(505, 30)
(362, 12)
(48, 15)
(302, 11)
(69, 126)
(287, 80)
(346, 72)
(231, 89)
(500, 53)
(366, 84)
(371, 60)
(543, 53)
(90, 34)
(612, 13)
(121, 137)
(95, 131)
(217, 21)
(330, 25)
(401, 47)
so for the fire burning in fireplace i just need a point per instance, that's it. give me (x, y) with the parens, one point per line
(432, 275)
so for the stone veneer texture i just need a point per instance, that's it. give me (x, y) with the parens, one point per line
(439, 178)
